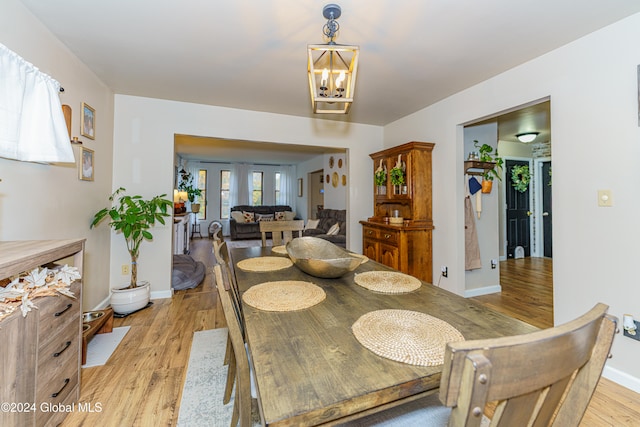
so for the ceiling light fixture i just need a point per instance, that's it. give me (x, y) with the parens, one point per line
(527, 136)
(332, 69)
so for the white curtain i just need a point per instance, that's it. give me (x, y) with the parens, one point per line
(32, 125)
(288, 185)
(239, 185)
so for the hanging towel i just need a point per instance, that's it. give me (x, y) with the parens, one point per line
(471, 247)
(474, 185)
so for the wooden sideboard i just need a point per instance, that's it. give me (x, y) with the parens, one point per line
(41, 353)
(407, 246)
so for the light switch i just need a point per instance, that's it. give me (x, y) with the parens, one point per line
(604, 198)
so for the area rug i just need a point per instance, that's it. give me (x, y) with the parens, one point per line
(201, 403)
(203, 390)
(101, 346)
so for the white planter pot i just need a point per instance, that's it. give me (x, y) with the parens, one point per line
(124, 301)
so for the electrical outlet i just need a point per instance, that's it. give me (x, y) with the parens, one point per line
(125, 269)
(636, 334)
(445, 271)
(494, 264)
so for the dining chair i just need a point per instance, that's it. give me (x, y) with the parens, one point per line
(243, 396)
(545, 378)
(227, 278)
(281, 231)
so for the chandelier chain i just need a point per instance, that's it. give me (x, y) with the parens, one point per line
(330, 29)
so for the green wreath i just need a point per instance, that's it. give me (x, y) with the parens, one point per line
(381, 177)
(520, 177)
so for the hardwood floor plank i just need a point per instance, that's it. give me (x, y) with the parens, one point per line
(141, 384)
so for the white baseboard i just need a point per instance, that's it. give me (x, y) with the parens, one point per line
(102, 304)
(622, 378)
(154, 295)
(482, 291)
(162, 294)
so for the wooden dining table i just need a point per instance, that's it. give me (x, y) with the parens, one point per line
(311, 370)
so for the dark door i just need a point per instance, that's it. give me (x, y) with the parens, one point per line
(546, 209)
(518, 229)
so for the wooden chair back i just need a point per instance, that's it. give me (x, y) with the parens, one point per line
(242, 403)
(545, 378)
(281, 231)
(221, 253)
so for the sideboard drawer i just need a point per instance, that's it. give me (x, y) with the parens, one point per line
(60, 351)
(56, 312)
(388, 236)
(370, 232)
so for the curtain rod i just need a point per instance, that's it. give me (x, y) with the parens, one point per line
(236, 163)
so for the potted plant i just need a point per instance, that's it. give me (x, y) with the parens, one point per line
(133, 216)
(186, 184)
(486, 154)
(397, 175)
(380, 178)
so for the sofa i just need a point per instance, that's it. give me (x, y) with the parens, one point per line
(251, 229)
(327, 218)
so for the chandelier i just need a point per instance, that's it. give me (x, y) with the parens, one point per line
(332, 69)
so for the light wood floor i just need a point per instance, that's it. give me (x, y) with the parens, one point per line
(141, 384)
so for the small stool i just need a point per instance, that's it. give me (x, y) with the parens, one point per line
(101, 325)
(195, 229)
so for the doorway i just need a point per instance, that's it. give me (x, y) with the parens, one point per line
(525, 217)
(316, 193)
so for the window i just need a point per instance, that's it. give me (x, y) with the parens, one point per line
(202, 198)
(225, 179)
(277, 192)
(256, 193)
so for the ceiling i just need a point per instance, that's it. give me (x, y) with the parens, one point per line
(251, 55)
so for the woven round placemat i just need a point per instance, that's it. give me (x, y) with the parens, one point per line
(284, 295)
(388, 282)
(264, 263)
(405, 336)
(282, 250)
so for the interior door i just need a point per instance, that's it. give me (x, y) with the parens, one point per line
(547, 243)
(518, 213)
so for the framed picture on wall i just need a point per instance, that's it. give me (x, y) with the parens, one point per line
(88, 122)
(299, 187)
(86, 166)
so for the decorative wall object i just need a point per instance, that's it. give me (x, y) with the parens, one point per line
(299, 187)
(88, 121)
(85, 167)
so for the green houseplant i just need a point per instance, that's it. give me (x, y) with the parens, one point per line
(186, 184)
(486, 154)
(133, 216)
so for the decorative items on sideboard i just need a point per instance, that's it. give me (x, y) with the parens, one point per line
(399, 232)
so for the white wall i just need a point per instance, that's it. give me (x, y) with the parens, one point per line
(335, 193)
(304, 168)
(592, 84)
(144, 159)
(40, 201)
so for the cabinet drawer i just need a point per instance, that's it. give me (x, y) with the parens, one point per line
(60, 386)
(388, 236)
(56, 312)
(370, 233)
(54, 418)
(61, 351)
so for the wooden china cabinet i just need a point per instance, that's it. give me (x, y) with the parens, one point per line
(406, 246)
